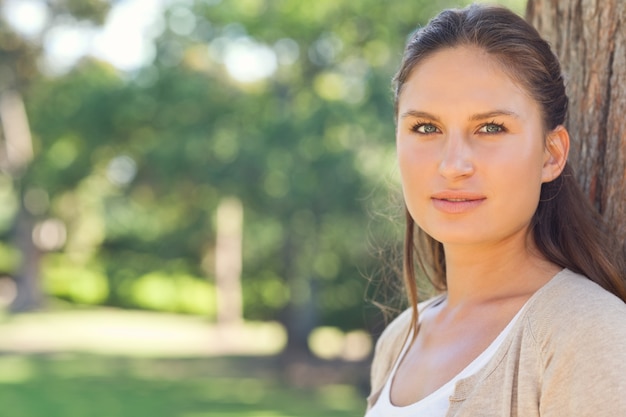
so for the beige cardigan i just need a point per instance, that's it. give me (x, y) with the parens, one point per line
(565, 356)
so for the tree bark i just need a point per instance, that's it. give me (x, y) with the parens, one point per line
(589, 37)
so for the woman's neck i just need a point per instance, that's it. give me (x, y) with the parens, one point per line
(478, 274)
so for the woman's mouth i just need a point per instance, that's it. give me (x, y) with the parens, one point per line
(456, 202)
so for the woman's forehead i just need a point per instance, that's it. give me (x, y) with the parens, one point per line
(460, 73)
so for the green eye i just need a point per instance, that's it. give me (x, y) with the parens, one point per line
(492, 128)
(425, 128)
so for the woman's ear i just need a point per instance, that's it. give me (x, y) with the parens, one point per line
(555, 154)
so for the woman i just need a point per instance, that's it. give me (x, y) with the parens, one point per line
(532, 316)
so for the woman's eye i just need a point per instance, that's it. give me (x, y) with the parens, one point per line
(425, 128)
(492, 128)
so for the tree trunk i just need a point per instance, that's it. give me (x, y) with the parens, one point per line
(589, 38)
(29, 294)
(17, 153)
(228, 262)
(300, 316)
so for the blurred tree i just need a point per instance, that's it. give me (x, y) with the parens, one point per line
(301, 134)
(283, 106)
(591, 43)
(18, 68)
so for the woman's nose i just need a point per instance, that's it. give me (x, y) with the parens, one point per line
(456, 158)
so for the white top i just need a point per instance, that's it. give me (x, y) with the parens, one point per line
(437, 403)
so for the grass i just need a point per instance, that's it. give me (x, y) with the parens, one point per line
(48, 370)
(73, 385)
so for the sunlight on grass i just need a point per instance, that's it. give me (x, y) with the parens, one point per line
(15, 369)
(136, 333)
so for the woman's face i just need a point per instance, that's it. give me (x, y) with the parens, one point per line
(471, 151)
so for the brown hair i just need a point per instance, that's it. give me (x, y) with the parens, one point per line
(566, 228)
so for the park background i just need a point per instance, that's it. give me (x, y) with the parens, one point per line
(199, 206)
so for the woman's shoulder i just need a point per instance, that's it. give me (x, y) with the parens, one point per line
(578, 330)
(569, 292)
(572, 307)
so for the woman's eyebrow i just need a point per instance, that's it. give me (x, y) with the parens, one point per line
(420, 114)
(494, 113)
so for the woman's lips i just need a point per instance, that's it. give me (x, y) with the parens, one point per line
(456, 202)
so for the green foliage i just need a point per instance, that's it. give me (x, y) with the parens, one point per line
(8, 203)
(174, 293)
(156, 290)
(94, 10)
(83, 285)
(9, 258)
